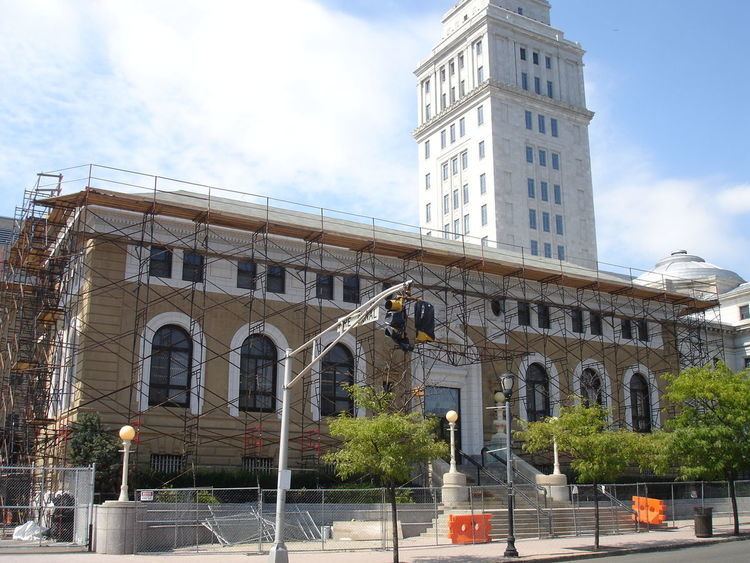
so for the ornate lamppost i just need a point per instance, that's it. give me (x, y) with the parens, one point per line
(127, 433)
(452, 417)
(507, 383)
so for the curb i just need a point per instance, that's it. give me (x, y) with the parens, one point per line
(630, 550)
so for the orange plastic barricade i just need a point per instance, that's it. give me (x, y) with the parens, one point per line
(465, 528)
(649, 510)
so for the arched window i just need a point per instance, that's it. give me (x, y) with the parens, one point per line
(337, 368)
(640, 406)
(537, 393)
(591, 388)
(171, 360)
(257, 374)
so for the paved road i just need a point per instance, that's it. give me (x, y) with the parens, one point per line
(730, 552)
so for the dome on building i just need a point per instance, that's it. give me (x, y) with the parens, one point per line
(683, 271)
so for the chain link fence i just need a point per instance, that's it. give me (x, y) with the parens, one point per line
(45, 506)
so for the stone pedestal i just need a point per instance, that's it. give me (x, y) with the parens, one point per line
(455, 490)
(556, 485)
(115, 528)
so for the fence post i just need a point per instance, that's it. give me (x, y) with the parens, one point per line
(41, 499)
(260, 520)
(648, 524)
(435, 514)
(671, 488)
(637, 513)
(322, 519)
(90, 510)
(574, 503)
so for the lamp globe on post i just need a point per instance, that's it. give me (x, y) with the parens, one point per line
(452, 417)
(127, 433)
(507, 382)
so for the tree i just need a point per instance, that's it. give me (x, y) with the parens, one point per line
(598, 455)
(90, 443)
(709, 438)
(386, 444)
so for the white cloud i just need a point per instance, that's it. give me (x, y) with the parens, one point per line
(289, 99)
(643, 215)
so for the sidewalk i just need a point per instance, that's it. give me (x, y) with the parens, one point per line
(556, 549)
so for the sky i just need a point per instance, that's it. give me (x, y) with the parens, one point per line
(314, 101)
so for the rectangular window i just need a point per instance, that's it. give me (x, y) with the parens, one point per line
(560, 252)
(595, 320)
(544, 191)
(523, 54)
(524, 313)
(530, 155)
(642, 325)
(480, 74)
(559, 224)
(464, 160)
(453, 133)
(427, 181)
(351, 289)
(445, 171)
(446, 203)
(532, 218)
(535, 58)
(545, 221)
(482, 184)
(542, 312)
(744, 312)
(446, 230)
(465, 193)
(461, 127)
(427, 86)
(480, 115)
(524, 81)
(427, 213)
(427, 112)
(246, 271)
(160, 262)
(481, 149)
(542, 157)
(553, 126)
(452, 67)
(534, 248)
(528, 120)
(548, 62)
(461, 60)
(192, 267)
(555, 161)
(276, 279)
(462, 88)
(478, 46)
(626, 329)
(324, 286)
(537, 85)
(558, 194)
(484, 214)
(453, 94)
(456, 202)
(443, 100)
(542, 124)
(454, 165)
(166, 463)
(550, 91)
(466, 224)
(576, 318)
(547, 250)
(427, 149)
(530, 187)
(442, 74)
(456, 229)
(442, 139)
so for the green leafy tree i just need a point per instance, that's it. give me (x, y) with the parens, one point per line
(386, 444)
(91, 443)
(709, 438)
(598, 455)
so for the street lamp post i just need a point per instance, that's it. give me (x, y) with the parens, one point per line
(507, 383)
(452, 417)
(127, 433)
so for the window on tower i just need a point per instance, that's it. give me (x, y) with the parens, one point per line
(557, 190)
(480, 74)
(446, 203)
(530, 187)
(524, 81)
(542, 157)
(453, 133)
(523, 53)
(464, 160)
(550, 90)
(532, 219)
(530, 155)
(542, 124)
(535, 58)
(545, 221)
(427, 149)
(553, 126)
(428, 212)
(427, 181)
(547, 250)
(537, 85)
(484, 214)
(544, 191)
(555, 161)
(481, 149)
(442, 139)
(465, 192)
(461, 127)
(480, 115)
(478, 47)
(528, 120)
(482, 184)
(534, 248)
(548, 62)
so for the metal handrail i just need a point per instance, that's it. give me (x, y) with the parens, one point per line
(522, 477)
(540, 511)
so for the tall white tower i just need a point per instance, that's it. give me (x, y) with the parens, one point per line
(503, 133)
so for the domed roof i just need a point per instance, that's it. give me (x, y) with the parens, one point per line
(681, 270)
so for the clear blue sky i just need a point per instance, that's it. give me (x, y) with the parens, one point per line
(323, 113)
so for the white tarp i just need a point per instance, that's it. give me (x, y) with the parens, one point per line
(29, 531)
